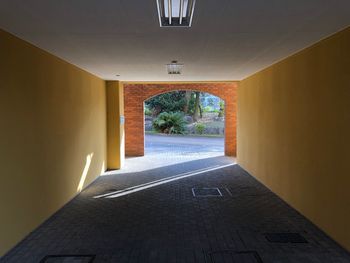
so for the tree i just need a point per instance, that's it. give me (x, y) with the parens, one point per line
(168, 102)
(187, 101)
(196, 106)
(222, 109)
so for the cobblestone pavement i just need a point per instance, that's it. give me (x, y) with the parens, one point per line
(153, 216)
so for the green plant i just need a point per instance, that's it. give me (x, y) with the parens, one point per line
(222, 109)
(208, 109)
(200, 127)
(148, 111)
(169, 102)
(170, 122)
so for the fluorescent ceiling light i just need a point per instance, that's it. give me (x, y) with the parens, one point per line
(174, 67)
(175, 13)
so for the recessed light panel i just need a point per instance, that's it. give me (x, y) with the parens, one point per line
(175, 13)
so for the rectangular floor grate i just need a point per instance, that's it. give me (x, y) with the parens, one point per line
(68, 259)
(285, 238)
(233, 256)
(206, 192)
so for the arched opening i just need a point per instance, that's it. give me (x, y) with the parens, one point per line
(186, 124)
(136, 94)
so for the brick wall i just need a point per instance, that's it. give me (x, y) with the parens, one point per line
(136, 94)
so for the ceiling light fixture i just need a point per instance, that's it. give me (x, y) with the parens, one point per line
(174, 68)
(175, 13)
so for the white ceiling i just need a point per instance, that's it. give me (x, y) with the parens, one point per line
(228, 40)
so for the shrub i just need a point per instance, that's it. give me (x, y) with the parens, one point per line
(222, 109)
(170, 122)
(148, 112)
(200, 127)
(208, 109)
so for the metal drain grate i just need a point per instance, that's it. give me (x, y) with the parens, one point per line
(68, 259)
(232, 256)
(206, 192)
(285, 238)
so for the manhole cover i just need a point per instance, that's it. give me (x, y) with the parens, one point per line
(232, 256)
(206, 192)
(285, 238)
(68, 259)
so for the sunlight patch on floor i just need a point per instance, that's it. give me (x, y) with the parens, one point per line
(155, 183)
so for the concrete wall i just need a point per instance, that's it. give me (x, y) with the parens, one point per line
(136, 94)
(294, 132)
(52, 135)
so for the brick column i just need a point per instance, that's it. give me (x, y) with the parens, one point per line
(134, 123)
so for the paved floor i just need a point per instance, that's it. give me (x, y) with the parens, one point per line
(153, 216)
(162, 150)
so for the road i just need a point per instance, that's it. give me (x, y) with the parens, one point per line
(183, 145)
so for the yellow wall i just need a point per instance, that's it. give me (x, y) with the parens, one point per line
(115, 127)
(52, 135)
(294, 132)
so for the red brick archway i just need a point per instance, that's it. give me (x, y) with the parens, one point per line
(136, 94)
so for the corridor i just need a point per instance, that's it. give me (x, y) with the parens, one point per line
(200, 210)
